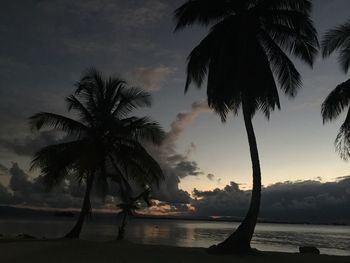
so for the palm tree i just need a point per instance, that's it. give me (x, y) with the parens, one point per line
(242, 56)
(128, 209)
(105, 143)
(338, 100)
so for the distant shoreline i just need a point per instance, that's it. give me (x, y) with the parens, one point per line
(13, 212)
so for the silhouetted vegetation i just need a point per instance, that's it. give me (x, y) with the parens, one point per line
(338, 100)
(128, 209)
(103, 143)
(245, 50)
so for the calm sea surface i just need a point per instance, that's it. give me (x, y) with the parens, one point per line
(333, 240)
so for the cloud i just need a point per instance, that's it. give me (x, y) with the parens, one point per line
(151, 78)
(184, 119)
(166, 209)
(5, 195)
(211, 177)
(191, 149)
(301, 201)
(230, 201)
(146, 12)
(3, 170)
(30, 144)
(25, 191)
(175, 165)
(135, 15)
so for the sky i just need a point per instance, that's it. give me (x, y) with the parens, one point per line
(47, 44)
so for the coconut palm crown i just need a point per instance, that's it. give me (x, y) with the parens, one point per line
(103, 141)
(245, 60)
(338, 40)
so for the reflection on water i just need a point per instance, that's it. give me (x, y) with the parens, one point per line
(274, 237)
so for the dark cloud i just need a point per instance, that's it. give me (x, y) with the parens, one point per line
(211, 177)
(30, 144)
(5, 195)
(302, 201)
(187, 168)
(230, 201)
(169, 190)
(23, 190)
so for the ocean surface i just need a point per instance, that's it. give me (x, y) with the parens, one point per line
(332, 240)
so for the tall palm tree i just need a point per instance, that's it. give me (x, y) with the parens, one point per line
(105, 142)
(338, 39)
(242, 56)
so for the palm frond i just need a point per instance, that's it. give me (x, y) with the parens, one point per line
(74, 103)
(113, 88)
(204, 12)
(287, 75)
(143, 129)
(301, 46)
(342, 142)
(117, 176)
(336, 102)
(130, 100)
(303, 6)
(92, 82)
(138, 163)
(57, 161)
(59, 122)
(337, 38)
(199, 58)
(344, 58)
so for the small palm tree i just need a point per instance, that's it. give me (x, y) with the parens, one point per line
(242, 57)
(128, 209)
(104, 141)
(338, 39)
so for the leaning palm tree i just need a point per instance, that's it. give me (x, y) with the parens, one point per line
(243, 56)
(103, 143)
(338, 39)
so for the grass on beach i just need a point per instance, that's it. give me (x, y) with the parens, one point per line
(67, 251)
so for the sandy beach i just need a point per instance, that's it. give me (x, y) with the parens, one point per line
(67, 251)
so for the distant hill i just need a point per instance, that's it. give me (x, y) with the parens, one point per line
(8, 211)
(40, 214)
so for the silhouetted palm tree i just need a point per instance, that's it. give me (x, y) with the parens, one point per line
(104, 142)
(246, 48)
(128, 208)
(338, 100)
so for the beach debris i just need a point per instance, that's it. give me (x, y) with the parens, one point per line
(309, 250)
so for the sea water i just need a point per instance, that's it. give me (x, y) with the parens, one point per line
(330, 239)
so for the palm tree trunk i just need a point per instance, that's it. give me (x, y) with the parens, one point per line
(75, 232)
(121, 230)
(239, 241)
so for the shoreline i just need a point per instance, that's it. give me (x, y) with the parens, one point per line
(8, 211)
(62, 250)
